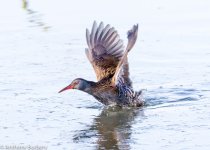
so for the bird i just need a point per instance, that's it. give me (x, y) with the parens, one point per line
(109, 59)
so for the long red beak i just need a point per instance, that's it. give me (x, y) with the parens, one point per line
(66, 88)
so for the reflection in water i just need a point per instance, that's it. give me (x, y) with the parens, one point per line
(112, 128)
(34, 17)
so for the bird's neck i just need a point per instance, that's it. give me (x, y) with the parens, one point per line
(89, 85)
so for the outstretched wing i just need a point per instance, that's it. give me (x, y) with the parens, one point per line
(122, 71)
(105, 49)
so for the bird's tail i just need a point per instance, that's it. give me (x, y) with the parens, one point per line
(139, 93)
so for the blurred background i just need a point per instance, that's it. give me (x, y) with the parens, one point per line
(42, 46)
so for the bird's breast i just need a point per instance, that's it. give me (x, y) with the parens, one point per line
(106, 95)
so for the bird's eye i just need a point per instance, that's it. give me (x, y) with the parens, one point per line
(77, 82)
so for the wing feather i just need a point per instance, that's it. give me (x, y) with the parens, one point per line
(88, 38)
(122, 72)
(100, 29)
(113, 43)
(111, 39)
(103, 33)
(116, 47)
(105, 49)
(108, 34)
(93, 32)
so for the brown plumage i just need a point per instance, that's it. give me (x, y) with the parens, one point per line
(109, 60)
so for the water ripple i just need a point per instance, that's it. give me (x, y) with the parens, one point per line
(171, 95)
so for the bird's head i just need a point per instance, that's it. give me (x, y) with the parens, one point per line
(79, 84)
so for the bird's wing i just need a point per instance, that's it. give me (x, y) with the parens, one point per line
(122, 70)
(105, 49)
